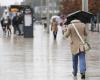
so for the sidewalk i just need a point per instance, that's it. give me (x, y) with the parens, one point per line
(42, 58)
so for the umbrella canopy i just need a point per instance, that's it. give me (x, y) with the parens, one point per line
(83, 16)
(58, 19)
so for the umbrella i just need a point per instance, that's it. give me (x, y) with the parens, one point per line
(58, 19)
(83, 16)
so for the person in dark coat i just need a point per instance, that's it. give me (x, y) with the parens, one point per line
(93, 23)
(6, 22)
(15, 23)
(8, 25)
(21, 23)
(2, 24)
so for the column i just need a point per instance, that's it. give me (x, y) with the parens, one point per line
(41, 7)
(85, 5)
(48, 15)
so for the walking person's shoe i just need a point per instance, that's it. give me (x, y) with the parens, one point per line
(83, 76)
(74, 76)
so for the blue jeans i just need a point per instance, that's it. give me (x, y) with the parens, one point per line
(82, 63)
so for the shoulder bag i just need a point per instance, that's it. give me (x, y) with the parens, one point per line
(85, 44)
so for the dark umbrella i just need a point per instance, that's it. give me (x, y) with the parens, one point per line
(83, 16)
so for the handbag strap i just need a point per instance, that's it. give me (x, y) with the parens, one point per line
(78, 33)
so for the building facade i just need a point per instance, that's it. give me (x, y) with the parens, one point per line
(68, 6)
(41, 6)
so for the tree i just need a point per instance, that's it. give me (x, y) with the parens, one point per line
(68, 6)
(94, 6)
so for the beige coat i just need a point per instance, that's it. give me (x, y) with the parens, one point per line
(75, 40)
(54, 26)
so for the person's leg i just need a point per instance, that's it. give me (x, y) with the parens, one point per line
(82, 64)
(54, 34)
(4, 28)
(14, 28)
(17, 26)
(75, 64)
(21, 28)
(9, 30)
(92, 26)
(45, 25)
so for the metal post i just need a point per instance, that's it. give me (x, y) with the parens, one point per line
(41, 8)
(53, 7)
(48, 20)
(32, 4)
(98, 16)
(85, 5)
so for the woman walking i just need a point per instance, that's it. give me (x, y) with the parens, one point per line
(78, 52)
(54, 27)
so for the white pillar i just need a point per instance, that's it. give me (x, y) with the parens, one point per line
(85, 5)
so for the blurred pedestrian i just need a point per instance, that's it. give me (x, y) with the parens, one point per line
(78, 51)
(93, 23)
(6, 22)
(21, 20)
(54, 27)
(15, 23)
(64, 19)
(8, 25)
(2, 25)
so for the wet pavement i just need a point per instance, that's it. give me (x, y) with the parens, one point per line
(43, 58)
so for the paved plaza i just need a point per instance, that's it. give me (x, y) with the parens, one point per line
(43, 58)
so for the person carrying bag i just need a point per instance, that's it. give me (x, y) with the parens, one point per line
(85, 45)
(76, 30)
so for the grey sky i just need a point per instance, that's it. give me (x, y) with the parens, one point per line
(9, 2)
